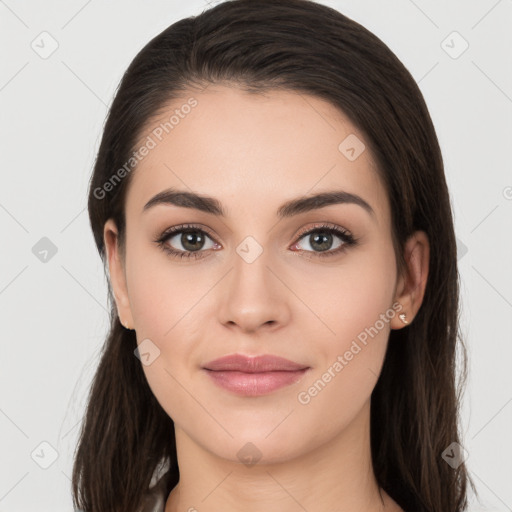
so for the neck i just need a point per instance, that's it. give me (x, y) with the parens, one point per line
(335, 476)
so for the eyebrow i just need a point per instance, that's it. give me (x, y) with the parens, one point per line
(290, 208)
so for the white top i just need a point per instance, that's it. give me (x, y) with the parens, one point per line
(156, 497)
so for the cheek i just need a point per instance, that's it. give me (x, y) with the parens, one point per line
(160, 291)
(162, 302)
(347, 370)
(350, 298)
(355, 304)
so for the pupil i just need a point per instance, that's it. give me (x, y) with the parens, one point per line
(192, 241)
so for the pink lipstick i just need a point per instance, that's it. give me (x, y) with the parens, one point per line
(254, 376)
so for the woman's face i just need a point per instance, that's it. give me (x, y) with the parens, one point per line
(258, 286)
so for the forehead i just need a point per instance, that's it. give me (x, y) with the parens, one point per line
(254, 150)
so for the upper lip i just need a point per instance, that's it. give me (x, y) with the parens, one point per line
(253, 364)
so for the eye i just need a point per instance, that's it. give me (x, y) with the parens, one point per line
(190, 238)
(321, 240)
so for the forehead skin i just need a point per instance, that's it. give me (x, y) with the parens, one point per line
(253, 152)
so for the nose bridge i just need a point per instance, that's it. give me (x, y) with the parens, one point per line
(250, 265)
(252, 296)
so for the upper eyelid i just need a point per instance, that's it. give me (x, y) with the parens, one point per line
(323, 225)
(173, 231)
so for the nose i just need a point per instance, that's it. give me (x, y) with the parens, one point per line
(253, 296)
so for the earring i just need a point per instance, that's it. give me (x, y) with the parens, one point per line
(125, 326)
(402, 317)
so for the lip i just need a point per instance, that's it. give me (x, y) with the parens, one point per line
(254, 375)
(253, 364)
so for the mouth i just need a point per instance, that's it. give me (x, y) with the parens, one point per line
(254, 376)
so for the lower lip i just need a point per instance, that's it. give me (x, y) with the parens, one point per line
(254, 384)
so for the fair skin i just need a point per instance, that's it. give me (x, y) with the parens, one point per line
(253, 153)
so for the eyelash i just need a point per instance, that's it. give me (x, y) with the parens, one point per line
(347, 238)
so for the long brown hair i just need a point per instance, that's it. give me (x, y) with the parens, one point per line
(305, 47)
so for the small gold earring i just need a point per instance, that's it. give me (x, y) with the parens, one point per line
(402, 317)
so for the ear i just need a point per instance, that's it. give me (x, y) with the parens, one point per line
(117, 273)
(411, 285)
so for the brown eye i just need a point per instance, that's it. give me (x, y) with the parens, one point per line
(190, 240)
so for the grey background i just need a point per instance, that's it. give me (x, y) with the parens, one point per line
(53, 312)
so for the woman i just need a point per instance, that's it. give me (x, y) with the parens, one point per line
(270, 200)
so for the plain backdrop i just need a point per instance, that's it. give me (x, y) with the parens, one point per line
(53, 304)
